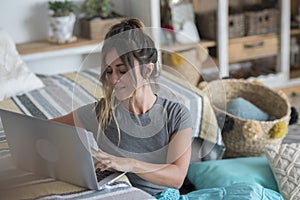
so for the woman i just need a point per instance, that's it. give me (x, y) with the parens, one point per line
(138, 132)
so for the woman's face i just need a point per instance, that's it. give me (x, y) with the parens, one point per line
(120, 77)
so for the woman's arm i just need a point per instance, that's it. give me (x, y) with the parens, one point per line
(170, 175)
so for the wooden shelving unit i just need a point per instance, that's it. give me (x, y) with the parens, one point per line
(45, 46)
(43, 57)
(295, 73)
(230, 51)
(253, 47)
(182, 47)
(295, 32)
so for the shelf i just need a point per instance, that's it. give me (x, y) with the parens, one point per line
(42, 49)
(291, 90)
(295, 32)
(45, 46)
(295, 73)
(252, 37)
(208, 43)
(182, 47)
(271, 80)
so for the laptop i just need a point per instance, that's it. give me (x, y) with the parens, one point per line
(54, 150)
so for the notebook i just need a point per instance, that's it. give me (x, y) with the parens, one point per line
(54, 150)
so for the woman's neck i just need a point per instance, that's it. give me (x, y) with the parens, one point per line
(143, 101)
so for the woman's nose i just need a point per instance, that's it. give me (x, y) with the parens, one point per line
(114, 78)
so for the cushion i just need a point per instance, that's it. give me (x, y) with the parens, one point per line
(209, 144)
(285, 163)
(15, 77)
(238, 191)
(222, 173)
(244, 109)
(203, 116)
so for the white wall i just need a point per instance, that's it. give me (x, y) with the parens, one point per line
(26, 20)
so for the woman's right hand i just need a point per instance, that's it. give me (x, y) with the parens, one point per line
(106, 161)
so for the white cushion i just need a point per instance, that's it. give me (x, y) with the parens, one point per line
(285, 163)
(15, 77)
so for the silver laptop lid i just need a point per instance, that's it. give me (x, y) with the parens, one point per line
(50, 149)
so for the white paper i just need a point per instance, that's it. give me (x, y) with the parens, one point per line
(92, 142)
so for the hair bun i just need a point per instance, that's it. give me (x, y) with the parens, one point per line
(124, 25)
(133, 23)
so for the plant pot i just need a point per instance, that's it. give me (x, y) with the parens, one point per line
(96, 29)
(61, 28)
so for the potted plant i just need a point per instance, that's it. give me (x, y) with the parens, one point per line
(61, 21)
(99, 17)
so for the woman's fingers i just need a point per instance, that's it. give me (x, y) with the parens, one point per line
(104, 160)
(103, 164)
(99, 155)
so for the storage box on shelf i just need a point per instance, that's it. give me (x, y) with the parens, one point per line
(253, 47)
(261, 21)
(207, 25)
(96, 29)
(263, 36)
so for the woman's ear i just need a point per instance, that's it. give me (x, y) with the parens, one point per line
(148, 70)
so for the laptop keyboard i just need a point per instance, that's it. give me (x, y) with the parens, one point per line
(102, 174)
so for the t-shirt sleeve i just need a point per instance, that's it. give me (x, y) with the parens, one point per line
(86, 116)
(182, 119)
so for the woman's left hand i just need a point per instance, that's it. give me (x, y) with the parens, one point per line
(106, 161)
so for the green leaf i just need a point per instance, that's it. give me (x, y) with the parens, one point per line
(97, 8)
(61, 8)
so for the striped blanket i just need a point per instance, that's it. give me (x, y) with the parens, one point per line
(62, 93)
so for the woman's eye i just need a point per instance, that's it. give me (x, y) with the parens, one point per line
(123, 72)
(109, 72)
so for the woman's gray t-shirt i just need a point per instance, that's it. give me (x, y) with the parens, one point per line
(144, 137)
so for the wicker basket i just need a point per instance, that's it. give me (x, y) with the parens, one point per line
(261, 22)
(207, 25)
(249, 137)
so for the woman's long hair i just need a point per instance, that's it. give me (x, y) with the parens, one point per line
(131, 42)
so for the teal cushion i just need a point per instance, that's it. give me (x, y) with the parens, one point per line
(222, 173)
(239, 191)
(244, 109)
